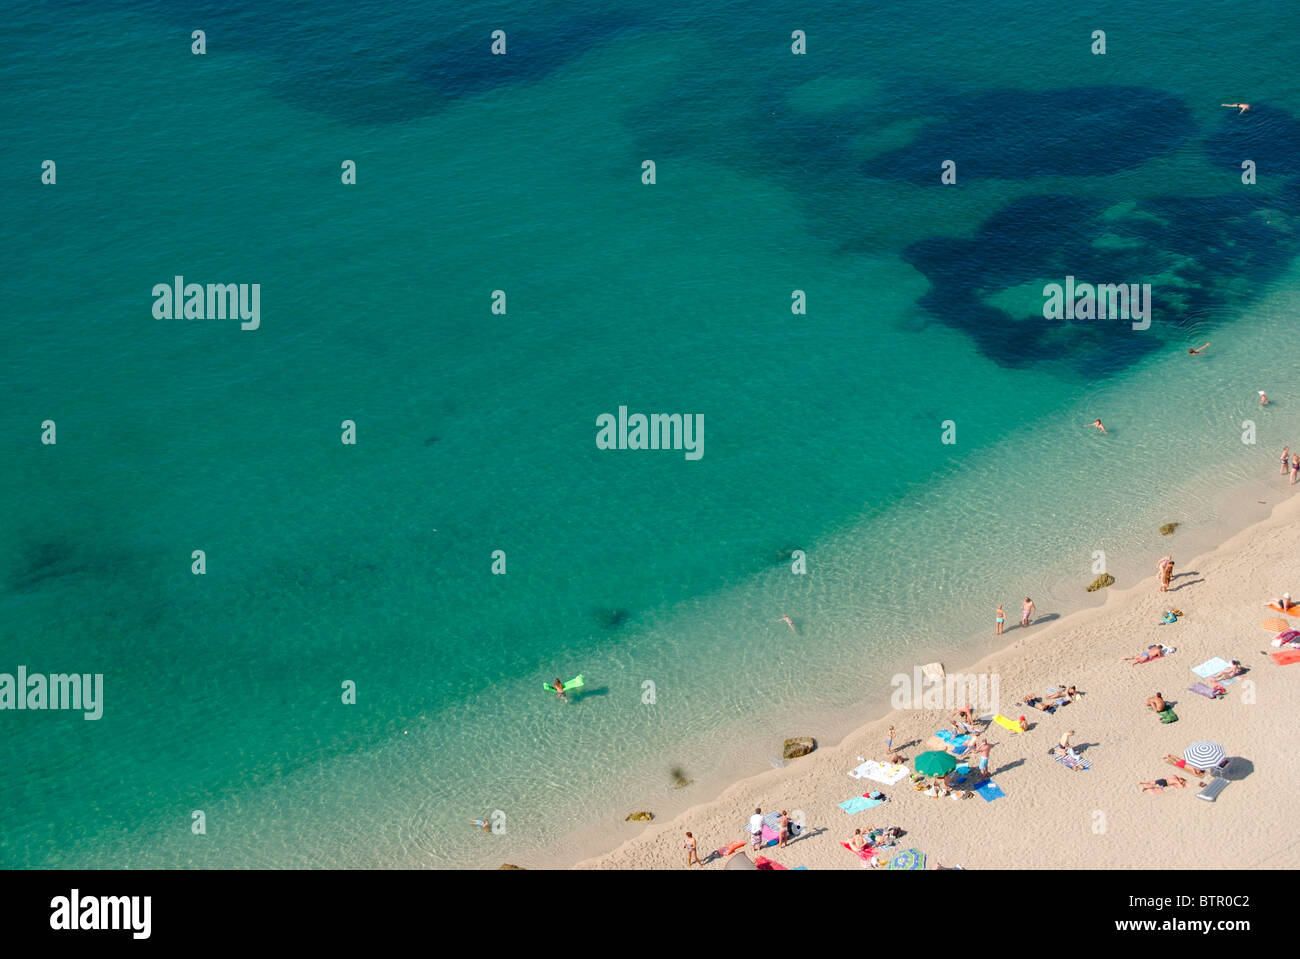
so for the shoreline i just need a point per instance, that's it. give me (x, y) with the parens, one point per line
(657, 844)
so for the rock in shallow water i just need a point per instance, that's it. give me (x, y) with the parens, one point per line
(798, 746)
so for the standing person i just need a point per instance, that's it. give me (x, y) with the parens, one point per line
(783, 829)
(999, 618)
(1286, 460)
(1027, 610)
(692, 852)
(756, 830)
(889, 743)
(1295, 466)
(982, 750)
(1166, 575)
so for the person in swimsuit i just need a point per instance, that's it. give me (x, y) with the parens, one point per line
(1154, 651)
(1157, 702)
(889, 742)
(857, 842)
(789, 622)
(1027, 609)
(692, 852)
(982, 750)
(1160, 785)
(1286, 460)
(1181, 763)
(1295, 466)
(558, 685)
(1037, 702)
(1097, 423)
(1166, 574)
(1198, 351)
(1239, 107)
(1063, 748)
(1263, 398)
(1236, 669)
(482, 824)
(999, 618)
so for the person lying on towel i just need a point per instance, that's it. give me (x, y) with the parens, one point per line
(1154, 651)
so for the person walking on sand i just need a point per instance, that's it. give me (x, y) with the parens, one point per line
(1027, 611)
(1286, 460)
(692, 852)
(999, 618)
(1097, 423)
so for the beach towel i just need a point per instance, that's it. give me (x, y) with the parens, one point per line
(1203, 690)
(1168, 716)
(866, 854)
(762, 862)
(988, 790)
(1215, 665)
(951, 738)
(856, 804)
(1286, 657)
(1005, 723)
(960, 774)
(885, 773)
(1072, 762)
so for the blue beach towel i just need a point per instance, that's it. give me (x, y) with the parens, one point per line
(951, 738)
(989, 791)
(859, 803)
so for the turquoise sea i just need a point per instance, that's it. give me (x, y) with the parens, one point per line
(371, 563)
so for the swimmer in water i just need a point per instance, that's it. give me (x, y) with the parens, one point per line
(1097, 423)
(558, 686)
(1263, 398)
(1199, 350)
(1241, 107)
(789, 622)
(482, 824)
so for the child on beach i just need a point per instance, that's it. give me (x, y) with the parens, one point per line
(889, 744)
(998, 619)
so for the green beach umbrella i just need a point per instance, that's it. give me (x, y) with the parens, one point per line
(935, 764)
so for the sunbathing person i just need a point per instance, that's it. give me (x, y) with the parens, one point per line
(857, 842)
(1157, 702)
(1063, 692)
(1160, 785)
(1037, 702)
(1181, 763)
(1236, 669)
(1154, 651)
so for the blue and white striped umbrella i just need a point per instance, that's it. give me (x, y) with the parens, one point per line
(1204, 755)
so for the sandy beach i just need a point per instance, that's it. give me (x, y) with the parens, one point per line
(1052, 816)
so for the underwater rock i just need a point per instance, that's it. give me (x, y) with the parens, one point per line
(641, 816)
(798, 746)
(1101, 582)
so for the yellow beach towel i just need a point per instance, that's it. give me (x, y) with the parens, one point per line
(1011, 724)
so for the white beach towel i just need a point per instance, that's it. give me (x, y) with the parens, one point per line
(885, 773)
